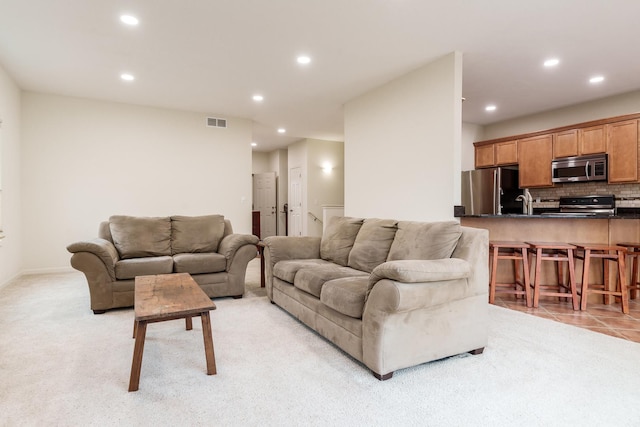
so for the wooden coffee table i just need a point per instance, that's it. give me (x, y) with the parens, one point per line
(169, 297)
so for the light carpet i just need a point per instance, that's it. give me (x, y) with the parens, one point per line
(62, 365)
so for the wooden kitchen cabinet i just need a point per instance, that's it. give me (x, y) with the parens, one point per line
(565, 144)
(498, 154)
(622, 147)
(484, 156)
(535, 155)
(506, 153)
(592, 140)
(580, 142)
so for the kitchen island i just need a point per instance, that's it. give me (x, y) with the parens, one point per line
(568, 229)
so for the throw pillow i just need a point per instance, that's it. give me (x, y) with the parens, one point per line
(372, 244)
(425, 240)
(338, 238)
(136, 237)
(192, 234)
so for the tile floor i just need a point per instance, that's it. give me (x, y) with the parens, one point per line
(606, 319)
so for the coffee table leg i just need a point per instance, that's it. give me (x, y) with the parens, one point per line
(188, 323)
(208, 343)
(141, 331)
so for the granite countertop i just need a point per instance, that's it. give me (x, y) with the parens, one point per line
(547, 216)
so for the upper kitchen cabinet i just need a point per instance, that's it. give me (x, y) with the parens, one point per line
(592, 140)
(565, 144)
(497, 154)
(622, 147)
(535, 155)
(484, 156)
(580, 142)
(506, 153)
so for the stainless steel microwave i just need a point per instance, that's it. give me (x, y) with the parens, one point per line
(580, 168)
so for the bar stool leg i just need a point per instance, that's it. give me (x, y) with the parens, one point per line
(584, 294)
(622, 276)
(494, 273)
(605, 271)
(572, 280)
(525, 282)
(634, 277)
(536, 282)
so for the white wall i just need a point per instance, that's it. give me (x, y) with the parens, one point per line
(470, 134)
(323, 188)
(626, 103)
(260, 162)
(84, 160)
(10, 165)
(402, 145)
(318, 188)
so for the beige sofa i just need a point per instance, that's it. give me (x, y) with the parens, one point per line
(126, 247)
(392, 294)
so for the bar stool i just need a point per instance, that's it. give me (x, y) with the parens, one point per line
(633, 253)
(554, 252)
(608, 253)
(508, 250)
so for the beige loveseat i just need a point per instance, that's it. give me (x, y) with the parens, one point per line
(126, 247)
(392, 294)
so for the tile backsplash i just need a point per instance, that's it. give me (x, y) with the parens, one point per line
(627, 195)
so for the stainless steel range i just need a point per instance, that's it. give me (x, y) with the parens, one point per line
(601, 205)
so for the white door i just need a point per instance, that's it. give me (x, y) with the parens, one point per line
(295, 202)
(264, 200)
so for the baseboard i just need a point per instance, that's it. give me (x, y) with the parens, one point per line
(47, 271)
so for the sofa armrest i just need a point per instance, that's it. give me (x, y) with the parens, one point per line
(415, 271)
(292, 247)
(103, 249)
(280, 248)
(232, 242)
(400, 286)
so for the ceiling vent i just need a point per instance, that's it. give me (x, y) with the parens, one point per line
(213, 122)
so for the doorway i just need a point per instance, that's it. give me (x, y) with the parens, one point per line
(264, 201)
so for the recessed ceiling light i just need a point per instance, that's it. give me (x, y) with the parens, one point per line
(596, 79)
(490, 108)
(126, 76)
(303, 59)
(551, 62)
(254, 144)
(258, 98)
(129, 20)
(282, 130)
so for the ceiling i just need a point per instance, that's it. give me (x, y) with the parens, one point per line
(211, 56)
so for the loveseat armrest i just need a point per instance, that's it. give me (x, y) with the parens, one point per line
(103, 249)
(232, 242)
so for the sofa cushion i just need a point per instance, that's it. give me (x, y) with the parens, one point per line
(209, 262)
(424, 240)
(346, 295)
(311, 279)
(193, 234)
(338, 238)
(136, 237)
(372, 243)
(130, 268)
(287, 269)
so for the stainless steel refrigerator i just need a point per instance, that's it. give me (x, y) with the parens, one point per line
(491, 191)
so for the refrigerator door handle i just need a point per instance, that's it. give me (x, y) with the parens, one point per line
(496, 193)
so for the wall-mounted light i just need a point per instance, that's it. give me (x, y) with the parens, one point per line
(327, 167)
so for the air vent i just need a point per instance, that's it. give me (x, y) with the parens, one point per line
(216, 123)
